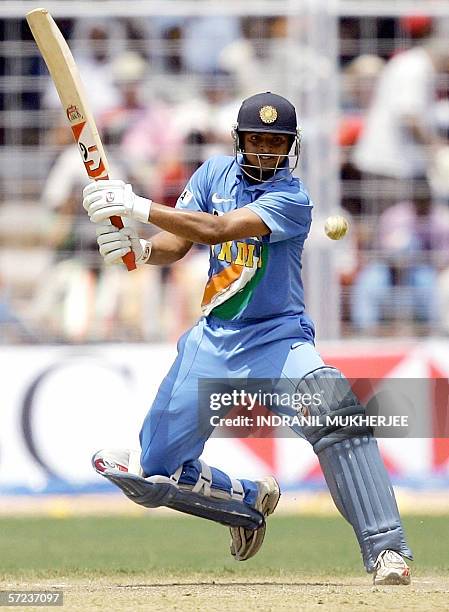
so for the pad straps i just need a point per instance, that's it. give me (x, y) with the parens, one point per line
(204, 482)
(237, 491)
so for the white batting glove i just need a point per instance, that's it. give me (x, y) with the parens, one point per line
(114, 243)
(104, 199)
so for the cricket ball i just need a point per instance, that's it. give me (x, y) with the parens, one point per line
(336, 227)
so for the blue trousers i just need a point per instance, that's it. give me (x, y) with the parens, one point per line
(280, 347)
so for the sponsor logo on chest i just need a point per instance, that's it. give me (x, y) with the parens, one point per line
(219, 199)
(239, 253)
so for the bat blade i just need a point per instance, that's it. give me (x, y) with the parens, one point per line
(67, 80)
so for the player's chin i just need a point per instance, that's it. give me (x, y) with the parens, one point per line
(268, 161)
(270, 164)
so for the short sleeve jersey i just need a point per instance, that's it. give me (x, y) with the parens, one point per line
(258, 277)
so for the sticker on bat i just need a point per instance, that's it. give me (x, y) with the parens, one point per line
(95, 167)
(93, 163)
(74, 114)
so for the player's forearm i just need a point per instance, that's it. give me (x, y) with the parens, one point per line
(199, 227)
(106, 199)
(167, 248)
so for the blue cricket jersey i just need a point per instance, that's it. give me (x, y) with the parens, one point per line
(260, 277)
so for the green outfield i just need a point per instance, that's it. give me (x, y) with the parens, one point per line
(178, 544)
(174, 562)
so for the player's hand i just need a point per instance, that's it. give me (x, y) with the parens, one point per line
(114, 243)
(105, 199)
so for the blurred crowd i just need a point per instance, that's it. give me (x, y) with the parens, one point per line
(165, 93)
(393, 138)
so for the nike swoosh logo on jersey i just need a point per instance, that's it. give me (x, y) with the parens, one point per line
(217, 200)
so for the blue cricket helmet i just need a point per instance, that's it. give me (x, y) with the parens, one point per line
(267, 112)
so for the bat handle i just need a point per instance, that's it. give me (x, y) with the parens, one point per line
(129, 259)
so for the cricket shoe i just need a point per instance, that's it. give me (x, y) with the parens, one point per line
(245, 543)
(391, 569)
(109, 461)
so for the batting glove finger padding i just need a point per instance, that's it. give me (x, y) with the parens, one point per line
(98, 186)
(105, 199)
(114, 243)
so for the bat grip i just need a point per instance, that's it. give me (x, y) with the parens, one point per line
(129, 259)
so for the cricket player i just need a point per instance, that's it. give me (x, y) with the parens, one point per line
(256, 217)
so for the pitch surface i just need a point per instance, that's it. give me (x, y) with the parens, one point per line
(175, 562)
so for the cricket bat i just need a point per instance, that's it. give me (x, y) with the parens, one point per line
(67, 80)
